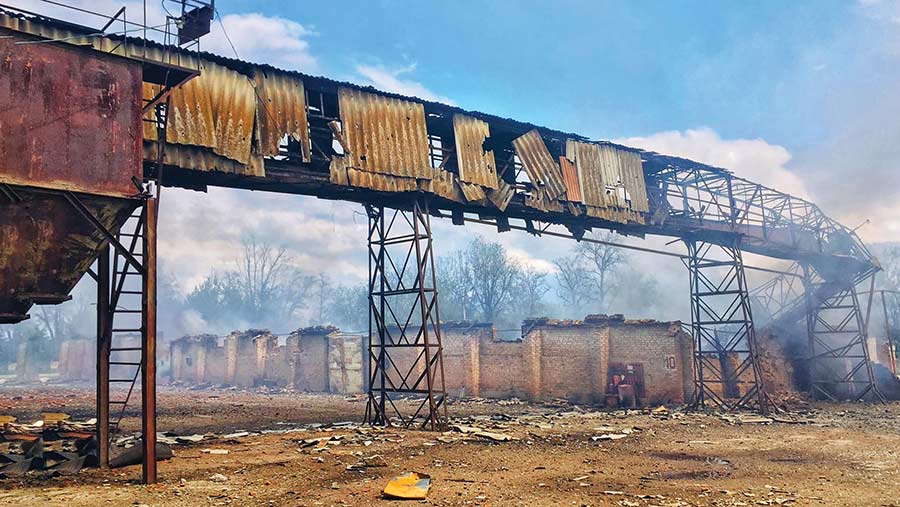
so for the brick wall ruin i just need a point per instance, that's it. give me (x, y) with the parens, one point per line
(580, 361)
(575, 360)
(315, 359)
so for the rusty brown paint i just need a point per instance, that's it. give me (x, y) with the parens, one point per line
(502, 195)
(570, 176)
(475, 164)
(280, 111)
(472, 192)
(70, 118)
(385, 135)
(47, 247)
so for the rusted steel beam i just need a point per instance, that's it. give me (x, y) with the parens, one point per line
(86, 213)
(148, 349)
(104, 343)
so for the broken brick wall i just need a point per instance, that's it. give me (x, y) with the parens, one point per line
(77, 359)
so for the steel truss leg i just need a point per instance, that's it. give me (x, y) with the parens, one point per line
(839, 363)
(126, 307)
(726, 357)
(405, 349)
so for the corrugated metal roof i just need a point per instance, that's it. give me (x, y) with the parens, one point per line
(539, 164)
(570, 176)
(475, 164)
(203, 159)
(280, 111)
(385, 135)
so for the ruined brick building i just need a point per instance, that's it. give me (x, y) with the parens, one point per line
(581, 361)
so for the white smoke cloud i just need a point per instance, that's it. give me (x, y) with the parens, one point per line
(389, 79)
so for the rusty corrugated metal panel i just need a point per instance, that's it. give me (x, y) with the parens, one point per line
(475, 164)
(612, 174)
(203, 159)
(69, 119)
(502, 195)
(341, 173)
(591, 177)
(634, 180)
(570, 176)
(539, 164)
(385, 135)
(444, 184)
(471, 191)
(215, 110)
(543, 202)
(280, 111)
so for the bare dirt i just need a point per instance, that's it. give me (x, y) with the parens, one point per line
(836, 455)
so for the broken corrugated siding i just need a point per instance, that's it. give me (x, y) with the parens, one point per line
(475, 164)
(203, 159)
(570, 176)
(539, 164)
(634, 181)
(341, 173)
(385, 135)
(281, 110)
(502, 196)
(444, 184)
(216, 110)
(591, 179)
(471, 191)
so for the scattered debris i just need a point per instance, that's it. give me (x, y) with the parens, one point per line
(218, 478)
(214, 451)
(408, 486)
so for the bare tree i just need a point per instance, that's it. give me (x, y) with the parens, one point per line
(454, 285)
(258, 273)
(493, 277)
(532, 286)
(573, 281)
(323, 285)
(602, 260)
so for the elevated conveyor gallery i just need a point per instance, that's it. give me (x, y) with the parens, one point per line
(252, 126)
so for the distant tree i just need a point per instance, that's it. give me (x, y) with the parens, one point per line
(573, 282)
(454, 286)
(260, 271)
(602, 261)
(322, 285)
(348, 307)
(493, 277)
(530, 289)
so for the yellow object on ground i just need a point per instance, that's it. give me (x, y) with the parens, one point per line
(410, 486)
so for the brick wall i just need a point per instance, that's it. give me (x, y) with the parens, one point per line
(657, 346)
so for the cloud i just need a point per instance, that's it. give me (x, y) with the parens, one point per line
(390, 80)
(752, 159)
(264, 39)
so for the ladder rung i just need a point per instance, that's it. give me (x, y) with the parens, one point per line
(138, 330)
(122, 380)
(130, 292)
(127, 311)
(116, 402)
(124, 363)
(125, 349)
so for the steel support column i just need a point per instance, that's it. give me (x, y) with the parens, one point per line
(726, 358)
(148, 344)
(839, 364)
(103, 352)
(406, 383)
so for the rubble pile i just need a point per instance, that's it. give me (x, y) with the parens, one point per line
(54, 444)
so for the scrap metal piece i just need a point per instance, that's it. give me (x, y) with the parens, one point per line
(280, 111)
(592, 178)
(385, 135)
(542, 170)
(476, 165)
(408, 486)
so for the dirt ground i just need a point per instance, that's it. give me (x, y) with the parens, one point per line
(834, 455)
